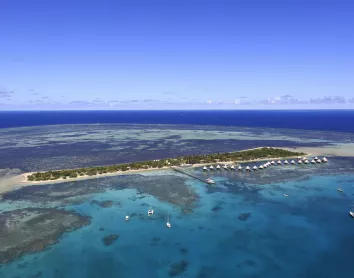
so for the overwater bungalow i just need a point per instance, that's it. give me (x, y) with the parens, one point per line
(248, 168)
(286, 162)
(304, 158)
(313, 161)
(265, 165)
(218, 167)
(292, 162)
(205, 168)
(239, 168)
(261, 167)
(225, 167)
(319, 161)
(273, 163)
(324, 160)
(279, 162)
(299, 162)
(306, 161)
(255, 167)
(211, 167)
(316, 158)
(232, 167)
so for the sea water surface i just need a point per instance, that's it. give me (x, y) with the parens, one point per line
(243, 226)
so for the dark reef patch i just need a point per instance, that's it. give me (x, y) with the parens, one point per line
(216, 208)
(108, 240)
(244, 216)
(103, 204)
(33, 229)
(178, 268)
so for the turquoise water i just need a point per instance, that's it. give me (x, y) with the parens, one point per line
(307, 234)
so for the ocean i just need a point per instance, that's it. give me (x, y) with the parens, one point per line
(243, 226)
(327, 120)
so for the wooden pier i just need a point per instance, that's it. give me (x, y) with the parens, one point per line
(188, 174)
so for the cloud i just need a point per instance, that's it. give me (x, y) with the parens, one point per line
(209, 101)
(170, 93)
(328, 100)
(5, 93)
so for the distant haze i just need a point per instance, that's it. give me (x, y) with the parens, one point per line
(227, 54)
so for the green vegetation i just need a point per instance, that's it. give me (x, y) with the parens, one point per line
(261, 153)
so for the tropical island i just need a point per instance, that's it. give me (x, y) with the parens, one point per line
(192, 160)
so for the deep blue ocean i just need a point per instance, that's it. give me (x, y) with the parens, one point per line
(329, 120)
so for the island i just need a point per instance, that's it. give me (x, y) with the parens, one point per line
(192, 160)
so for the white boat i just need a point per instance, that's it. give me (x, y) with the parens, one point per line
(286, 162)
(248, 168)
(340, 190)
(255, 167)
(218, 167)
(324, 160)
(168, 224)
(279, 162)
(205, 168)
(285, 195)
(313, 161)
(232, 167)
(209, 181)
(351, 213)
(150, 212)
(127, 218)
(211, 167)
(292, 162)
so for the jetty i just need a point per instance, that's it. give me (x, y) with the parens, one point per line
(189, 174)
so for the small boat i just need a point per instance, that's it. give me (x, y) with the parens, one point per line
(150, 212)
(127, 218)
(218, 167)
(168, 224)
(209, 181)
(205, 168)
(211, 167)
(351, 213)
(340, 190)
(285, 195)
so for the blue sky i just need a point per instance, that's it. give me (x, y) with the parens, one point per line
(176, 54)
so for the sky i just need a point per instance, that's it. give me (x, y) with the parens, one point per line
(176, 54)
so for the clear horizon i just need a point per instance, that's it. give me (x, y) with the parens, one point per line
(176, 55)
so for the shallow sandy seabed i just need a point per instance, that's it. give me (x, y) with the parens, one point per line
(346, 150)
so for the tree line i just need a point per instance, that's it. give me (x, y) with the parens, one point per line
(260, 153)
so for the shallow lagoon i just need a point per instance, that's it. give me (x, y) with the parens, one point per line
(241, 227)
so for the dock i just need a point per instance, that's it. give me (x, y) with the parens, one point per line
(188, 174)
